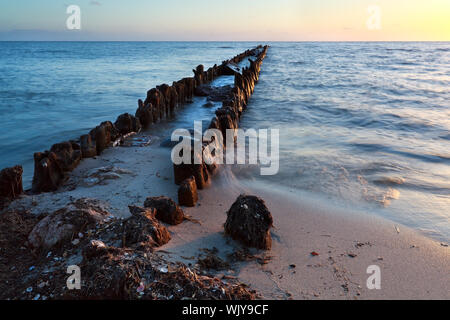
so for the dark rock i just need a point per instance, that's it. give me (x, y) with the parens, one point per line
(249, 221)
(48, 174)
(88, 148)
(187, 193)
(142, 228)
(166, 209)
(126, 123)
(58, 228)
(68, 155)
(10, 183)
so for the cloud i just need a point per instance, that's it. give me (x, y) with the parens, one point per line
(95, 3)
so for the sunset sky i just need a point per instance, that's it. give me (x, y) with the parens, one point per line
(296, 20)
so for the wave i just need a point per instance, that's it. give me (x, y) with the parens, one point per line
(374, 147)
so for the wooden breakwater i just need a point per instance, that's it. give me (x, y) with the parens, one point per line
(52, 166)
(227, 117)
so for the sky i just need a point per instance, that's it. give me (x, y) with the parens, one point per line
(230, 20)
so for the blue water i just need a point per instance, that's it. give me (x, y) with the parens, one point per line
(366, 124)
(54, 91)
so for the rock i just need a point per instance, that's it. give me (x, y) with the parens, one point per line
(10, 183)
(187, 193)
(166, 209)
(126, 123)
(142, 228)
(88, 148)
(48, 174)
(58, 227)
(68, 155)
(249, 221)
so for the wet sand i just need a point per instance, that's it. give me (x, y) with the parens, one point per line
(412, 266)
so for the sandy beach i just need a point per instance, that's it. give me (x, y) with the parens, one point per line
(412, 266)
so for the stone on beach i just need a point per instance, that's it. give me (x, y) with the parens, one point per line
(249, 221)
(58, 227)
(187, 193)
(166, 209)
(143, 228)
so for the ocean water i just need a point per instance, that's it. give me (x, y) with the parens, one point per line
(361, 124)
(55, 91)
(364, 124)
